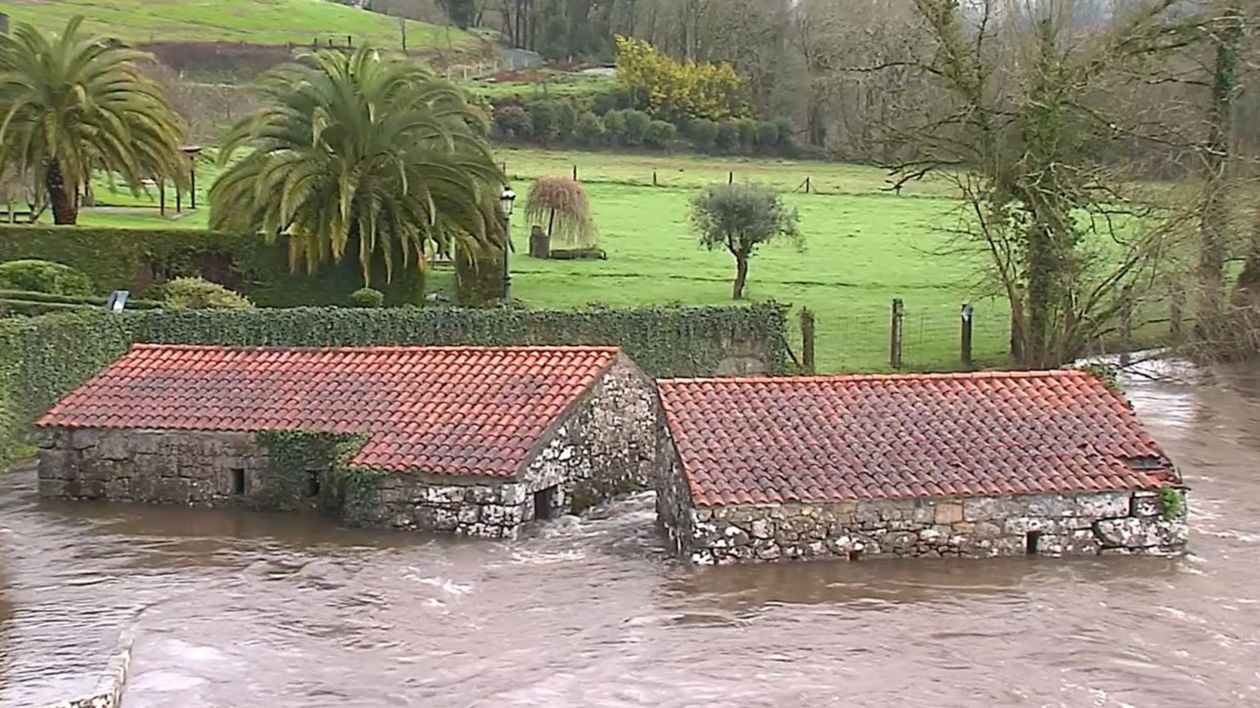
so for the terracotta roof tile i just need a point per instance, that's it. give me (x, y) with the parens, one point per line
(763, 440)
(442, 410)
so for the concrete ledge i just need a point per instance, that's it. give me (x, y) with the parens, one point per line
(109, 688)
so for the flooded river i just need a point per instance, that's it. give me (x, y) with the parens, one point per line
(240, 609)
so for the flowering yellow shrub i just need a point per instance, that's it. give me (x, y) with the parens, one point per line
(672, 89)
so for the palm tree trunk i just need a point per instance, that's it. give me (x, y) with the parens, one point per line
(64, 201)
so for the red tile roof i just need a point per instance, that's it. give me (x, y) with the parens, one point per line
(751, 441)
(441, 410)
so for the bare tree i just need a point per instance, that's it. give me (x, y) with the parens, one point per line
(1070, 240)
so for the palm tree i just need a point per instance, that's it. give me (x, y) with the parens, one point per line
(75, 101)
(360, 152)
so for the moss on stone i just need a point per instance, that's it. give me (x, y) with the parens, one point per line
(294, 455)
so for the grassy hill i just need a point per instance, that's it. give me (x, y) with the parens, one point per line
(259, 22)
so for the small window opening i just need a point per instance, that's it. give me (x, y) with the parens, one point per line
(855, 555)
(544, 503)
(312, 483)
(238, 482)
(1032, 542)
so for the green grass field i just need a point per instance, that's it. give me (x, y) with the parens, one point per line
(556, 85)
(247, 21)
(864, 247)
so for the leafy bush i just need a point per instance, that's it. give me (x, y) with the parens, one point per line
(43, 277)
(618, 99)
(673, 89)
(786, 131)
(747, 133)
(367, 297)
(660, 133)
(728, 135)
(566, 120)
(703, 133)
(513, 122)
(615, 125)
(245, 263)
(544, 117)
(767, 135)
(637, 124)
(199, 294)
(589, 128)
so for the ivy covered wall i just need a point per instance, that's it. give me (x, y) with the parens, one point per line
(43, 358)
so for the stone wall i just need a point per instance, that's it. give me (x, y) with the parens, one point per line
(1103, 523)
(603, 447)
(169, 466)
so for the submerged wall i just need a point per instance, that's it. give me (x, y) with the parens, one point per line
(1102, 523)
(172, 467)
(605, 446)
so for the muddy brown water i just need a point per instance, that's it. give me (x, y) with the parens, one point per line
(241, 609)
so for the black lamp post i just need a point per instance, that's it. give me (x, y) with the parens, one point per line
(506, 201)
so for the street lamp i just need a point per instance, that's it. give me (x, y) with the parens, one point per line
(506, 201)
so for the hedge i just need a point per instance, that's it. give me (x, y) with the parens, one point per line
(43, 358)
(138, 259)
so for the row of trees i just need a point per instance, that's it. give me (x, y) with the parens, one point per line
(565, 121)
(360, 155)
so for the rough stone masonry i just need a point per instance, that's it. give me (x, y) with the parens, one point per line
(1109, 523)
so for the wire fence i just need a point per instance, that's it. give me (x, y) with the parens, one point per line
(691, 172)
(904, 336)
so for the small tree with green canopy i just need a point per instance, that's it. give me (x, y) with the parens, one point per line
(73, 102)
(561, 204)
(739, 218)
(363, 153)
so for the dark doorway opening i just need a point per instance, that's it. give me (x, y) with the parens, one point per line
(544, 503)
(238, 482)
(312, 483)
(1032, 542)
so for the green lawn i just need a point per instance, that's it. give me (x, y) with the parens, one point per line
(864, 247)
(247, 21)
(560, 84)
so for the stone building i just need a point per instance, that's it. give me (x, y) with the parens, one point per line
(974, 465)
(474, 441)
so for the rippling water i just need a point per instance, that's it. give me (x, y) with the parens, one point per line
(241, 609)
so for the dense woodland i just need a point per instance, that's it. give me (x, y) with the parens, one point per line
(810, 60)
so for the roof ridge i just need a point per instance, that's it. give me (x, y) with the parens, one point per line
(379, 348)
(838, 378)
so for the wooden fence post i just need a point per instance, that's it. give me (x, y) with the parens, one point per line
(654, 178)
(897, 331)
(730, 177)
(807, 340)
(807, 185)
(575, 173)
(968, 313)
